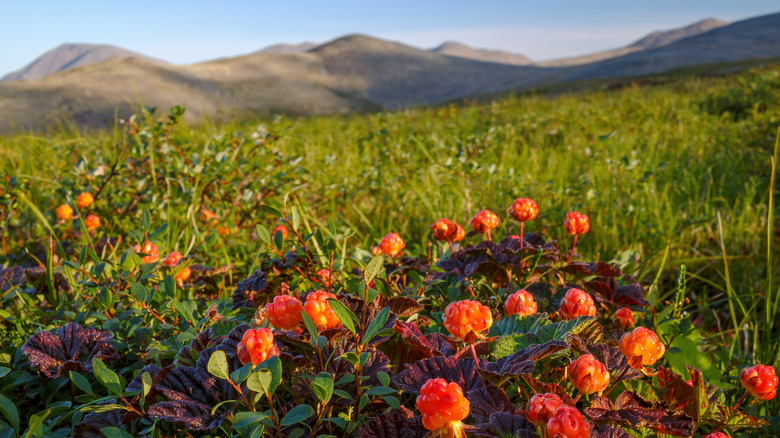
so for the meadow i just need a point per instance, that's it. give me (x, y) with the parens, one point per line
(674, 172)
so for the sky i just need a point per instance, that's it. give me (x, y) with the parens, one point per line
(184, 32)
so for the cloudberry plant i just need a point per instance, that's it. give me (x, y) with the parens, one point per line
(576, 224)
(150, 249)
(541, 407)
(717, 435)
(284, 312)
(760, 381)
(391, 245)
(256, 346)
(84, 200)
(641, 347)
(443, 406)
(520, 303)
(484, 221)
(567, 422)
(173, 259)
(523, 210)
(463, 317)
(92, 222)
(319, 310)
(624, 318)
(324, 277)
(588, 375)
(576, 303)
(64, 212)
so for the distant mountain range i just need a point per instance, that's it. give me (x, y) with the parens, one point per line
(351, 73)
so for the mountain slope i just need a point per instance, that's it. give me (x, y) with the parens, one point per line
(67, 56)
(452, 48)
(288, 48)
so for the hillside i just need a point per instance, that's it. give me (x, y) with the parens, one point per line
(452, 48)
(288, 48)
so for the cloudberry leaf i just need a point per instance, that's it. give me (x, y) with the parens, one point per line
(71, 348)
(400, 423)
(516, 324)
(463, 372)
(607, 431)
(520, 362)
(506, 425)
(488, 400)
(192, 415)
(600, 269)
(630, 410)
(736, 419)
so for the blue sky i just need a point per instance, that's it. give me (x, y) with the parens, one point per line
(196, 30)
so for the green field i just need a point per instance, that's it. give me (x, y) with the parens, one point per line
(674, 171)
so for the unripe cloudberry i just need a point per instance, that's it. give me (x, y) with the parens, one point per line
(92, 222)
(319, 310)
(256, 346)
(567, 422)
(148, 248)
(624, 318)
(576, 303)
(523, 210)
(520, 303)
(284, 312)
(760, 381)
(84, 200)
(391, 244)
(576, 223)
(441, 403)
(64, 212)
(447, 231)
(484, 221)
(588, 375)
(641, 347)
(541, 407)
(466, 316)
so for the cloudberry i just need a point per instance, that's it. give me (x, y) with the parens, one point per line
(324, 277)
(576, 303)
(284, 312)
(84, 200)
(282, 229)
(540, 408)
(182, 276)
(520, 303)
(173, 259)
(447, 231)
(717, 435)
(760, 381)
(588, 375)
(624, 318)
(256, 346)
(64, 212)
(148, 248)
(319, 310)
(208, 215)
(576, 223)
(641, 347)
(441, 403)
(567, 422)
(391, 244)
(484, 221)
(92, 222)
(523, 210)
(466, 316)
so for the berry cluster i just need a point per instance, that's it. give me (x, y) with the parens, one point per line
(520, 303)
(318, 308)
(284, 312)
(641, 347)
(576, 303)
(256, 346)
(441, 403)
(464, 317)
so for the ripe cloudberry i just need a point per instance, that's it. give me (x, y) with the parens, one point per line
(256, 346)
(84, 200)
(280, 228)
(92, 222)
(391, 244)
(520, 303)
(760, 381)
(484, 221)
(284, 312)
(541, 407)
(641, 347)
(319, 310)
(442, 403)
(150, 249)
(523, 210)
(173, 259)
(717, 435)
(624, 318)
(567, 422)
(447, 231)
(576, 223)
(64, 212)
(576, 303)
(208, 215)
(588, 375)
(324, 277)
(466, 316)
(182, 276)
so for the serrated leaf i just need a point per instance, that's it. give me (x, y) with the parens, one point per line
(218, 365)
(346, 316)
(297, 414)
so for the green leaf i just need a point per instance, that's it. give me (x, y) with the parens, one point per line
(9, 411)
(146, 219)
(392, 401)
(310, 327)
(297, 414)
(80, 381)
(115, 432)
(146, 382)
(323, 386)
(381, 390)
(376, 324)
(260, 381)
(106, 377)
(373, 268)
(383, 378)
(238, 376)
(516, 324)
(296, 218)
(218, 366)
(585, 326)
(4, 371)
(263, 234)
(346, 316)
(243, 419)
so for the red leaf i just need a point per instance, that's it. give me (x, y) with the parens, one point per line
(72, 348)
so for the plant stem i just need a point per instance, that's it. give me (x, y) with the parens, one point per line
(522, 236)
(573, 245)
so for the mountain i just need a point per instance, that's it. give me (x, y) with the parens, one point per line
(650, 41)
(452, 48)
(288, 48)
(67, 56)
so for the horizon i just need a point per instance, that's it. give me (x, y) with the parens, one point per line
(196, 35)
